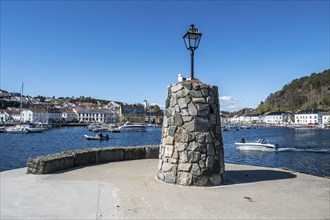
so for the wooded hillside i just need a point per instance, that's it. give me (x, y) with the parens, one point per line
(309, 92)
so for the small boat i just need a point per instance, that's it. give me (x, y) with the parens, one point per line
(46, 126)
(2, 129)
(97, 137)
(17, 130)
(99, 129)
(128, 127)
(35, 129)
(95, 125)
(114, 130)
(258, 145)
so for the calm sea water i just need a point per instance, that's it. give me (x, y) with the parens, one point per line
(301, 150)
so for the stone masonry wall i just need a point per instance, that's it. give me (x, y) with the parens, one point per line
(191, 152)
(76, 158)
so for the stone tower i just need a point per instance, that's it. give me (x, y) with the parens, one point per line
(191, 152)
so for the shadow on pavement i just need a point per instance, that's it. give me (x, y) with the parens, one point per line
(251, 176)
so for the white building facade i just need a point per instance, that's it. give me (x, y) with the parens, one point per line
(95, 115)
(34, 115)
(5, 117)
(41, 115)
(278, 118)
(326, 119)
(54, 116)
(69, 116)
(308, 117)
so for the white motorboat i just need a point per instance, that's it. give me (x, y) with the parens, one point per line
(258, 145)
(35, 129)
(17, 130)
(2, 129)
(97, 137)
(95, 125)
(100, 129)
(129, 127)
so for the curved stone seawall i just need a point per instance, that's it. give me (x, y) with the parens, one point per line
(69, 159)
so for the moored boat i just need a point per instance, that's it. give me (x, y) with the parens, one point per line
(17, 130)
(95, 125)
(35, 129)
(129, 127)
(100, 129)
(2, 129)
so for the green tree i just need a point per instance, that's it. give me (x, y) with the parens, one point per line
(41, 98)
(156, 109)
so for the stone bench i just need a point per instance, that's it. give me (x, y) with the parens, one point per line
(69, 159)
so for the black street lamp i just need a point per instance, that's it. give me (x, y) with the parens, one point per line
(191, 39)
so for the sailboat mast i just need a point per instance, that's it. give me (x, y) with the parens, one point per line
(20, 115)
(22, 96)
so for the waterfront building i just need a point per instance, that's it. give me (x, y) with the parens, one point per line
(68, 115)
(326, 119)
(249, 119)
(4, 116)
(95, 115)
(224, 119)
(254, 118)
(306, 117)
(15, 115)
(261, 119)
(278, 118)
(54, 115)
(115, 110)
(242, 119)
(234, 119)
(34, 115)
(9, 116)
(41, 114)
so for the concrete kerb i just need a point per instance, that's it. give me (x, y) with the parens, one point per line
(90, 156)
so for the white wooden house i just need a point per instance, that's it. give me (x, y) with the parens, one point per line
(34, 115)
(326, 119)
(6, 116)
(278, 118)
(69, 115)
(308, 117)
(95, 115)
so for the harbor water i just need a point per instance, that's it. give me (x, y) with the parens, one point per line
(306, 150)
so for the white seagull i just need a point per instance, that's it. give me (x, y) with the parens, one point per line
(180, 78)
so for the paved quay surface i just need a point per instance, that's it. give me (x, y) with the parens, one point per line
(129, 190)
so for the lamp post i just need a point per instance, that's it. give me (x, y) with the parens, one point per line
(191, 40)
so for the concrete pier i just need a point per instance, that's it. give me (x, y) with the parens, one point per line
(129, 190)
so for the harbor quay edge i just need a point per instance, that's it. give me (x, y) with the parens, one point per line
(66, 160)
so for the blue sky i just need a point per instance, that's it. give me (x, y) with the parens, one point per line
(132, 50)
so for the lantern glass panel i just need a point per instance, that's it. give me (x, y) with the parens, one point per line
(192, 38)
(187, 42)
